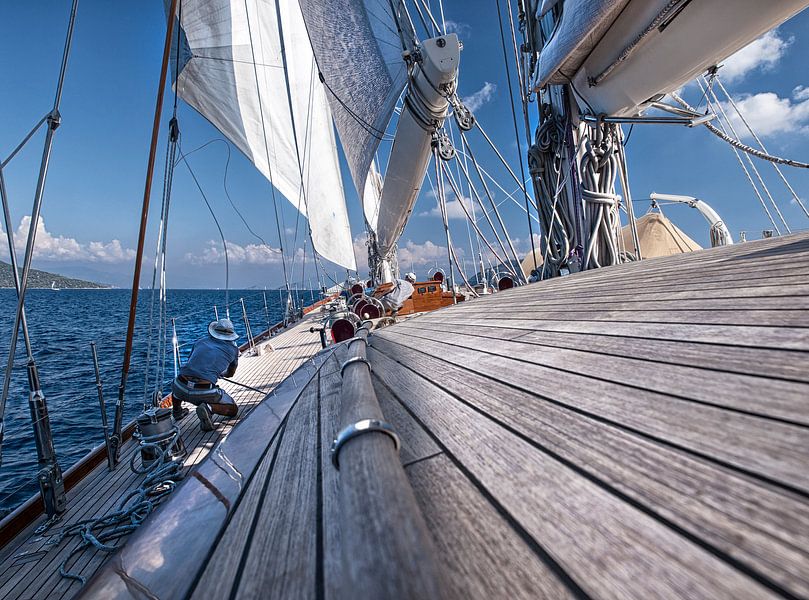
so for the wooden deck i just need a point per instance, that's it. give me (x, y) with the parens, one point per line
(636, 432)
(29, 566)
(640, 432)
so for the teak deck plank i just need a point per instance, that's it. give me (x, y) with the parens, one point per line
(764, 362)
(766, 528)
(481, 555)
(787, 399)
(328, 578)
(281, 555)
(607, 547)
(769, 449)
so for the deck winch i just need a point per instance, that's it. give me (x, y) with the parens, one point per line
(157, 434)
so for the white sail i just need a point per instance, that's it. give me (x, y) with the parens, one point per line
(248, 68)
(371, 197)
(359, 53)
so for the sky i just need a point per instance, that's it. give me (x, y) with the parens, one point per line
(95, 184)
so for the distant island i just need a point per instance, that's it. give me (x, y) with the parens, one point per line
(43, 279)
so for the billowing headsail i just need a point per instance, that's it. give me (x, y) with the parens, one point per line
(248, 68)
(371, 197)
(359, 53)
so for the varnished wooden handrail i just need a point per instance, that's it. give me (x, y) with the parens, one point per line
(387, 549)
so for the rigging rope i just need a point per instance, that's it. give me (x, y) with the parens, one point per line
(218, 227)
(760, 143)
(227, 191)
(266, 149)
(738, 144)
(599, 169)
(524, 105)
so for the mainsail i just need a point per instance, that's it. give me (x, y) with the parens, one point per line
(247, 66)
(359, 54)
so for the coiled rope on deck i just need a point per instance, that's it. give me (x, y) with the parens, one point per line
(161, 478)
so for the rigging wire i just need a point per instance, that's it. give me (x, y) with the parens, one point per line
(760, 143)
(227, 191)
(519, 276)
(436, 28)
(752, 183)
(524, 105)
(732, 129)
(421, 17)
(738, 144)
(218, 227)
(516, 127)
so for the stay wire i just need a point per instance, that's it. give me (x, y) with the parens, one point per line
(227, 191)
(749, 160)
(761, 144)
(516, 127)
(218, 227)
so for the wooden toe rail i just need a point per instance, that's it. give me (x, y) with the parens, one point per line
(387, 549)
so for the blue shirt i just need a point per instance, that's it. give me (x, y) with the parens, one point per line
(211, 359)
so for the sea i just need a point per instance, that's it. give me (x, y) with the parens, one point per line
(62, 323)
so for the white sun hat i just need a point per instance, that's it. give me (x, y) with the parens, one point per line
(223, 330)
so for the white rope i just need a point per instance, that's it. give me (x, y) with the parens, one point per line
(740, 145)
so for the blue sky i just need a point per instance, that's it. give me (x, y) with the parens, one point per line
(94, 189)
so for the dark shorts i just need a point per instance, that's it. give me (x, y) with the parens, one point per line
(193, 395)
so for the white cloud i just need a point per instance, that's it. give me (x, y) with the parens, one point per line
(464, 30)
(763, 53)
(800, 93)
(251, 254)
(421, 254)
(454, 208)
(769, 114)
(65, 249)
(474, 101)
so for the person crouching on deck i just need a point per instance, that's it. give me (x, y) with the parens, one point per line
(212, 357)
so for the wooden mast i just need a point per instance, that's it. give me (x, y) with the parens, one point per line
(144, 216)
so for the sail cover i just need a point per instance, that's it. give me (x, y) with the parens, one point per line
(359, 53)
(247, 66)
(581, 26)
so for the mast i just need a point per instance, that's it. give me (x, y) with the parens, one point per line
(115, 440)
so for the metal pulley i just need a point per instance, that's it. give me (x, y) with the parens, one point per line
(463, 116)
(445, 148)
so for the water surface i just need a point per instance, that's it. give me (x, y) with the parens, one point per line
(62, 324)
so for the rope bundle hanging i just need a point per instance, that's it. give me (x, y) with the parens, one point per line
(546, 159)
(599, 169)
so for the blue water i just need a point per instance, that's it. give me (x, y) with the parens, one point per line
(62, 324)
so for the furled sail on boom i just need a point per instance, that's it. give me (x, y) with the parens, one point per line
(248, 67)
